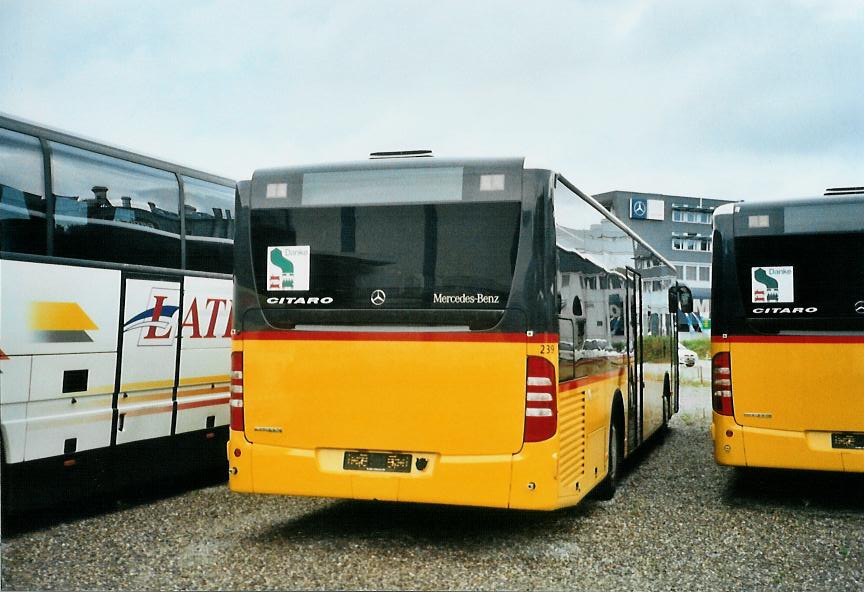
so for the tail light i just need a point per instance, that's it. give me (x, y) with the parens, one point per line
(236, 403)
(721, 383)
(541, 406)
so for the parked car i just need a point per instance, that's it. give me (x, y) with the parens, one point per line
(596, 348)
(686, 356)
(596, 345)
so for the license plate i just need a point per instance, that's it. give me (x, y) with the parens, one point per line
(848, 440)
(383, 462)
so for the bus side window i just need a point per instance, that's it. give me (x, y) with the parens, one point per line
(566, 349)
(22, 194)
(209, 213)
(108, 209)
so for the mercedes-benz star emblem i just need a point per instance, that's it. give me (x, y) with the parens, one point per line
(378, 297)
(859, 307)
(639, 208)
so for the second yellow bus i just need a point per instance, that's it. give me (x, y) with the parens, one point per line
(788, 343)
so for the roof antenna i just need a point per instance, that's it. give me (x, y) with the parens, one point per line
(401, 154)
(844, 191)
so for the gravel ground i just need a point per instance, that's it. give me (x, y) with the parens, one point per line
(678, 522)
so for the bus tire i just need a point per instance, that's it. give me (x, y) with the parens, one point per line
(607, 487)
(4, 485)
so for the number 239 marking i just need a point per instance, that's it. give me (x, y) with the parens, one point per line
(547, 348)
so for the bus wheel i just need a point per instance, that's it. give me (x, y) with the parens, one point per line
(4, 485)
(606, 489)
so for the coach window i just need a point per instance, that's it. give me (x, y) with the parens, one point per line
(566, 349)
(22, 194)
(108, 209)
(209, 212)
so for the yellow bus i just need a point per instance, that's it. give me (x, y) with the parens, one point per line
(788, 334)
(467, 332)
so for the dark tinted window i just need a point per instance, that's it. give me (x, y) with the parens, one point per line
(802, 282)
(109, 209)
(22, 194)
(592, 318)
(567, 347)
(441, 256)
(209, 212)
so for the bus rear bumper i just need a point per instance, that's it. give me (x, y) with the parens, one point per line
(460, 480)
(782, 449)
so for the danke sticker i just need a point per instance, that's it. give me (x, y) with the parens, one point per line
(772, 284)
(288, 269)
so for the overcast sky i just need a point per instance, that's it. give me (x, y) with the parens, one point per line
(732, 100)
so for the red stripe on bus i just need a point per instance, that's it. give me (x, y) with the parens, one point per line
(165, 408)
(207, 403)
(586, 380)
(788, 339)
(451, 336)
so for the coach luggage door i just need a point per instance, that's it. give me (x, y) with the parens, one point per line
(145, 401)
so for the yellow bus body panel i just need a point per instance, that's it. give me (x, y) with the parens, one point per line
(479, 463)
(432, 397)
(788, 398)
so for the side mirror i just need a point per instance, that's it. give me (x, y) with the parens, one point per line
(685, 297)
(680, 298)
(673, 299)
(577, 307)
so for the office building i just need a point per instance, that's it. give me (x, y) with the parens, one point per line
(679, 228)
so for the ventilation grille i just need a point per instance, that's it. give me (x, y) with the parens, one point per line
(571, 430)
